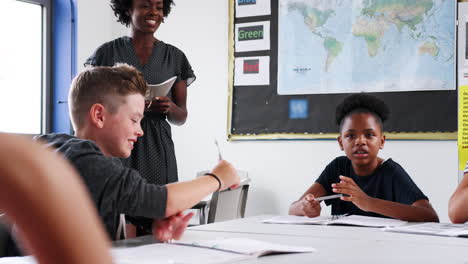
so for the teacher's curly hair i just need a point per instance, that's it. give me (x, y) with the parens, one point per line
(121, 8)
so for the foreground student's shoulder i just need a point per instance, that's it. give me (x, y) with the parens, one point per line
(28, 171)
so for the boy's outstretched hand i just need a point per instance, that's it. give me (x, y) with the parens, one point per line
(355, 194)
(172, 227)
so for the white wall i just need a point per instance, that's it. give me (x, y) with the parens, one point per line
(280, 170)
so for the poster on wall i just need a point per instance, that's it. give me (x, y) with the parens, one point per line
(319, 51)
(249, 8)
(253, 36)
(252, 71)
(333, 46)
(462, 127)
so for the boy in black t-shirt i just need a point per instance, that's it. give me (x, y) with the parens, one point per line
(371, 185)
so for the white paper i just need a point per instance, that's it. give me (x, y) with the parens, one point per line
(173, 253)
(297, 220)
(18, 260)
(252, 71)
(438, 229)
(161, 89)
(158, 253)
(357, 220)
(248, 8)
(262, 43)
(245, 246)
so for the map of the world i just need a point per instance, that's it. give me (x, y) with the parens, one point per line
(342, 46)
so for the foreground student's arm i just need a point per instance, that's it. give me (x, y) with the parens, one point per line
(458, 204)
(38, 188)
(419, 211)
(184, 195)
(306, 205)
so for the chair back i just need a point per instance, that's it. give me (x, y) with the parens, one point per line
(225, 205)
(228, 204)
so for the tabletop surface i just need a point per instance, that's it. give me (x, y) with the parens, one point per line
(332, 243)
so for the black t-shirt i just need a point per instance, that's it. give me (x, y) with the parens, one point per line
(388, 182)
(114, 188)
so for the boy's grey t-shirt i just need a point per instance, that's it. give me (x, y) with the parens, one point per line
(114, 188)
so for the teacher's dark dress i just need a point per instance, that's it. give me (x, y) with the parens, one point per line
(153, 154)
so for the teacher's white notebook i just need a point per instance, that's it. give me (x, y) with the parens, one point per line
(161, 89)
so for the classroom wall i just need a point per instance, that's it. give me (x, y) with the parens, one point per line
(280, 170)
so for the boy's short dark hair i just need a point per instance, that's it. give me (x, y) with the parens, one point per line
(362, 103)
(103, 85)
(121, 8)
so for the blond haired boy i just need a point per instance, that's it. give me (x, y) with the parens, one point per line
(106, 107)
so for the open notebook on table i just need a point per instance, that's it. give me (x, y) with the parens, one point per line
(245, 246)
(211, 251)
(355, 220)
(436, 229)
(215, 251)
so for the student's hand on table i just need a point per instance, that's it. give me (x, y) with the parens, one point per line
(309, 206)
(355, 194)
(172, 227)
(227, 174)
(160, 104)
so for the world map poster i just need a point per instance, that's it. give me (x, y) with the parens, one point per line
(343, 46)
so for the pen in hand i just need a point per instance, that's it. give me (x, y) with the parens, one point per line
(220, 157)
(323, 198)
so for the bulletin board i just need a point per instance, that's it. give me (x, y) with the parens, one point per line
(259, 107)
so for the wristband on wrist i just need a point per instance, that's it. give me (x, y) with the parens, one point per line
(217, 178)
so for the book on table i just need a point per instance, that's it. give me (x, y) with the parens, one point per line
(209, 251)
(435, 229)
(354, 220)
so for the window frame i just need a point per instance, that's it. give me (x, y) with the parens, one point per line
(58, 62)
(46, 68)
(63, 63)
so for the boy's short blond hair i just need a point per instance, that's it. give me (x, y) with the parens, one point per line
(103, 85)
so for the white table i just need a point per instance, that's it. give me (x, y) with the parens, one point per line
(335, 244)
(253, 225)
(345, 250)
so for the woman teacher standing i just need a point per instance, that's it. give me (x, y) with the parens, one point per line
(153, 154)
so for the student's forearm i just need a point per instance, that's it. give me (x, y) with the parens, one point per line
(184, 195)
(177, 115)
(458, 212)
(403, 212)
(32, 193)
